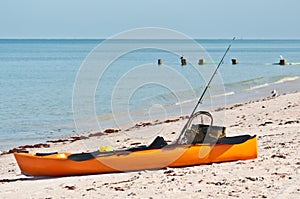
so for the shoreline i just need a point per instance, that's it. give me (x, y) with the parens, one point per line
(211, 103)
(273, 174)
(95, 133)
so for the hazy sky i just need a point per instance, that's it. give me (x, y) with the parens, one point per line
(196, 18)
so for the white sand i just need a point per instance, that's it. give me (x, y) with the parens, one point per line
(274, 174)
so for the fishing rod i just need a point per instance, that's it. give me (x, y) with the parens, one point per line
(201, 97)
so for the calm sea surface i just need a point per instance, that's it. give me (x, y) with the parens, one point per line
(37, 81)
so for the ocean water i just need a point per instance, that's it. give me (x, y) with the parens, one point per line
(37, 79)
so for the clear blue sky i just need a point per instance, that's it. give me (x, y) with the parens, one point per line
(196, 18)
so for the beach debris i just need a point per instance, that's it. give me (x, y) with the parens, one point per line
(233, 125)
(218, 183)
(172, 173)
(124, 181)
(24, 147)
(292, 122)
(282, 143)
(76, 138)
(278, 156)
(70, 187)
(58, 141)
(96, 134)
(171, 120)
(71, 139)
(265, 124)
(131, 194)
(35, 146)
(234, 106)
(184, 117)
(281, 175)
(255, 178)
(219, 109)
(143, 124)
(269, 147)
(156, 122)
(108, 131)
(233, 195)
(169, 171)
(251, 178)
(91, 189)
(119, 189)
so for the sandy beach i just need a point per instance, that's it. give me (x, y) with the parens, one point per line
(274, 174)
(120, 86)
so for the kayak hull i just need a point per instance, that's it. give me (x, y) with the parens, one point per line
(170, 156)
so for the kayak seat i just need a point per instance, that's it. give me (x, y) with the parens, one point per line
(158, 143)
(45, 154)
(235, 140)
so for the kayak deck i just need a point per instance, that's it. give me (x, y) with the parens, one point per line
(66, 164)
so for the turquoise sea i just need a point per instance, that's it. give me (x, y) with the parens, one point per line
(37, 78)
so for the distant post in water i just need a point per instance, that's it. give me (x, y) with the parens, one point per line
(159, 62)
(282, 61)
(183, 61)
(234, 61)
(201, 61)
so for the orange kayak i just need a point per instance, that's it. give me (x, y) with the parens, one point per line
(66, 164)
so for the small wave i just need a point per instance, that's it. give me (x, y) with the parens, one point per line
(244, 83)
(282, 80)
(286, 79)
(294, 63)
(223, 94)
(258, 86)
(214, 96)
(185, 102)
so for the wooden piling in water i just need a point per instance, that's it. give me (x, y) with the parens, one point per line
(201, 61)
(234, 61)
(183, 61)
(282, 62)
(159, 62)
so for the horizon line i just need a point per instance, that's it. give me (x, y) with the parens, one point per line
(98, 38)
